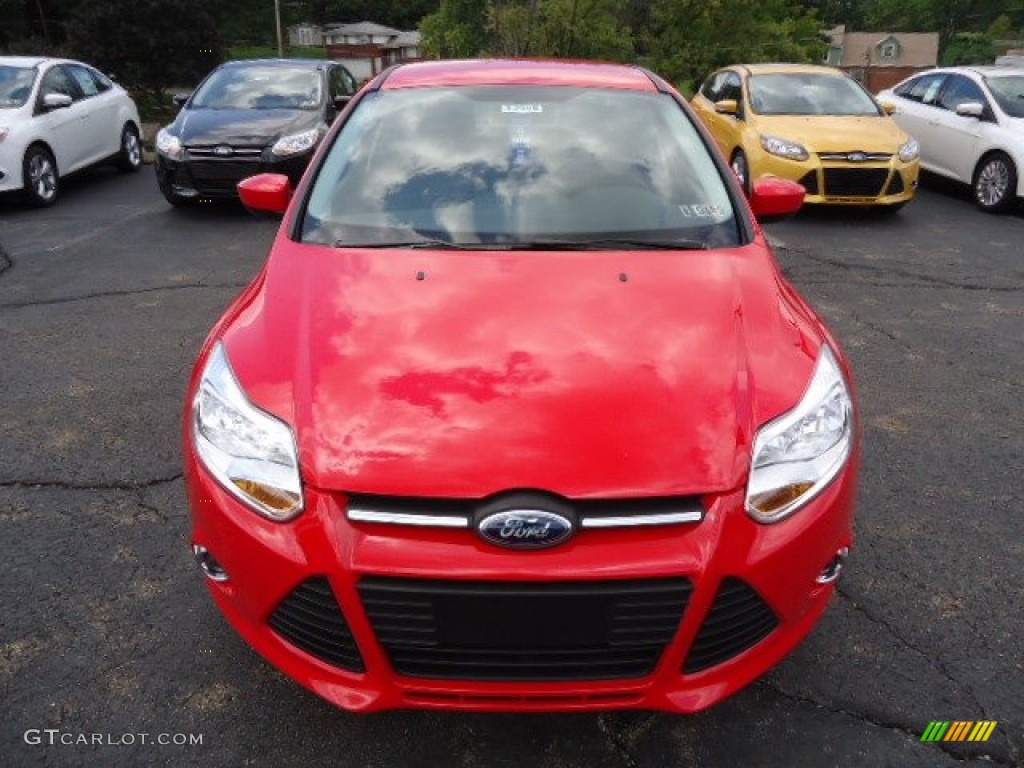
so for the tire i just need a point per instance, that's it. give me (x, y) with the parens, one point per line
(129, 158)
(741, 168)
(40, 177)
(995, 183)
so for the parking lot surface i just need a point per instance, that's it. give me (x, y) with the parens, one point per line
(111, 652)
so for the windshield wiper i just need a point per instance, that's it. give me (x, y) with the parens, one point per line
(441, 245)
(596, 244)
(610, 244)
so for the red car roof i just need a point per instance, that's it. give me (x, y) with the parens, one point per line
(519, 72)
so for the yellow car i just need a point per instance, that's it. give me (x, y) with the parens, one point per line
(813, 125)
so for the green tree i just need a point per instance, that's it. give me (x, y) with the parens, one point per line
(456, 29)
(694, 37)
(149, 45)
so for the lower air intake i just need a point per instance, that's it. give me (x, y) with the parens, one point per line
(738, 620)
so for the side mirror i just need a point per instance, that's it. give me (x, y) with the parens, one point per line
(56, 101)
(267, 192)
(888, 107)
(179, 99)
(727, 107)
(971, 109)
(773, 198)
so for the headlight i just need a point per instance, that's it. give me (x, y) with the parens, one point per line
(249, 451)
(800, 452)
(168, 145)
(296, 143)
(783, 148)
(910, 151)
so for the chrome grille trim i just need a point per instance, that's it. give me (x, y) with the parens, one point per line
(397, 518)
(458, 513)
(627, 521)
(869, 157)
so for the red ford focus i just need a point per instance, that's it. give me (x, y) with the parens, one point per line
(520, 413)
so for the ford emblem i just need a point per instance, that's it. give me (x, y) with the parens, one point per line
(525, 529)
(856, 157)
(223, 150)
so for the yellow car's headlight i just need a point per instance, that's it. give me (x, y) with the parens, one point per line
(790, 150)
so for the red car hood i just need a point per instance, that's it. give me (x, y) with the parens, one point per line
(597, 374)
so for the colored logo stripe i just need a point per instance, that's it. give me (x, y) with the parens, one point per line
(959, 730)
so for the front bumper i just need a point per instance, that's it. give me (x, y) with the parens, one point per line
(217, 179)
(272, 570)
(842, 182)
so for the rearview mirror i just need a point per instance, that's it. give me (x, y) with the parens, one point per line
(56, 101)
(267, 192)
(971, 109)
(773, 198)
(888, 107)
(727, 107)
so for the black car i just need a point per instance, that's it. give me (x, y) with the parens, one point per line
(249, 117)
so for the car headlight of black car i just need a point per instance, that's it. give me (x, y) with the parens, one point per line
(168, 145)
(296, 143)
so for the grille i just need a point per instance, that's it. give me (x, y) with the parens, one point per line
(251, 153)
(896, 185)
(310, 619)
(738, 620)
(855, 182)
(864, 156)
(519, 631)
(222, 173)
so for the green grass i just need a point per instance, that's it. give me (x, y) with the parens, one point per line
(270, 52)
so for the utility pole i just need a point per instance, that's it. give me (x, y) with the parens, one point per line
(277, 21)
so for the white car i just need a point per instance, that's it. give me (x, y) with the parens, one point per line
(57, 117)
(969, 122)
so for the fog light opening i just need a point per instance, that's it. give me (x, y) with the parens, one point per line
(209, 564)
(834, 568)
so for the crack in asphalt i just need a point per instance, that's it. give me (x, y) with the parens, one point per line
(128, 486)
(928, 280)
(932, 661)
(617, 741)
(6, 262)
(109, 294)
(887, 725)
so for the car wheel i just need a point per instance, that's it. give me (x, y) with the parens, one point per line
(39, 172)
(130, 157)
(995, 182)
(741, 168)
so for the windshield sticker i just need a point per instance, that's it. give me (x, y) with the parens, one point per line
(522, 109)
(701, 211)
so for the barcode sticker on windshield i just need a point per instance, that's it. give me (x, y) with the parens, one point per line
(522, 109)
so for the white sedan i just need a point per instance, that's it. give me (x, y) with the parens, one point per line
(969, 122)
(57, 117)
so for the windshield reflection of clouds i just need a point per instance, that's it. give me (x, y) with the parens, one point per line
(809, 94)
(506, 165)
(260, 88)
(15, 85)
(1009, 93)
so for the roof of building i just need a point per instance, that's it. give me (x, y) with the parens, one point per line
(362, 28)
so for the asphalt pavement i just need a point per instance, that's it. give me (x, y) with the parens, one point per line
(112, 653)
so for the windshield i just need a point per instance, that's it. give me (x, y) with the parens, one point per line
(809, 93)
(1008, 92)
(518, 166)
(15, 86)
(260, 87)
